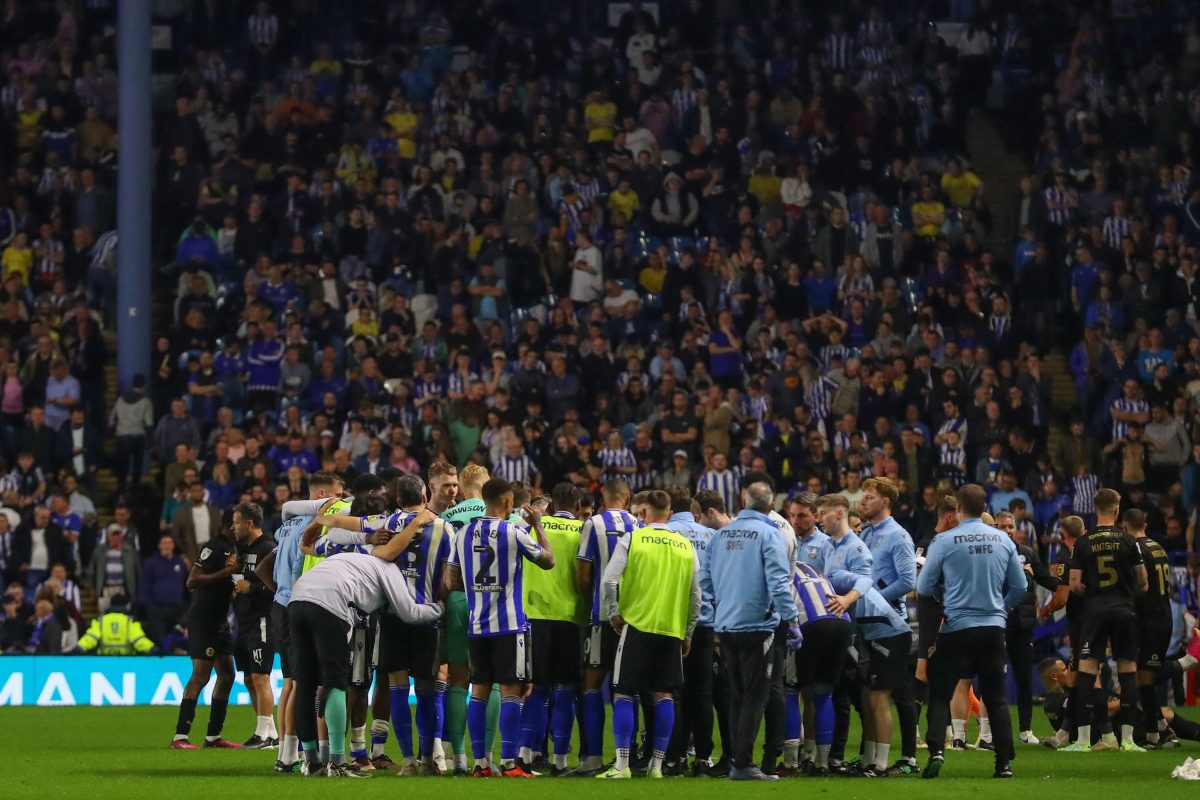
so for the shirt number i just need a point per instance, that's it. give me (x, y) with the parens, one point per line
(1164, 578)
(486, 561)
(1106, 571)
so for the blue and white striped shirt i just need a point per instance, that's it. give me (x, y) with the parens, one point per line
(958, 424)
(820, 397)
(597, 541)
(1083, 489)
(428, 390)
(456, 382)
(425, 557)
(839, 50)
(756, 407)
(1119, 429)
(831, 351)
(812, 592)
(490, 552)
(1115, 229)
(611, 459)
(1056, 196)
(954, 464)
(515, 468)
(724, 483)
(643, 479)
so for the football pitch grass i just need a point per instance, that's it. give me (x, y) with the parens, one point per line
(86, 752)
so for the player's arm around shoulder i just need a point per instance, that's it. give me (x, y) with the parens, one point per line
(402, 602)
(543, 554)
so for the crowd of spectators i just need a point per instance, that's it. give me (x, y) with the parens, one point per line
(711, 237)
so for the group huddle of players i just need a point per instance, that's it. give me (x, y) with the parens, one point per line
(517, 615)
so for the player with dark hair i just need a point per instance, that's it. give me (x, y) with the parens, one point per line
(819, 663)
(555, 608)
(279, 571)
(694, 721)
(1154, 621)
(254, 651)
(598, 539)
(487, 563)
(1021, 622)
(210, 644)
(1072, 530)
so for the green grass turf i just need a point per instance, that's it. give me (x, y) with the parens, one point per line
(87, 752)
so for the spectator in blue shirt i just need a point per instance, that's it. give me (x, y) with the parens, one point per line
(1084, 277)
(294, 455)
(197, 246)
(162, 590)
(821, 288)
(1006, 492)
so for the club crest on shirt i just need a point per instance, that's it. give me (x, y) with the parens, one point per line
(205, 553)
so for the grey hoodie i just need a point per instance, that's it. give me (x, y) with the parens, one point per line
(133, 414)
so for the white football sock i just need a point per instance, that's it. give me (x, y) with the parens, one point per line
(379, 726)
(959, 726)
(881, 754)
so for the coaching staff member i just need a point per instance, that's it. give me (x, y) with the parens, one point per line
(975, 569)
(747, 575)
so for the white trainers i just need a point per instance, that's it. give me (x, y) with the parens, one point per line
(1027, 737)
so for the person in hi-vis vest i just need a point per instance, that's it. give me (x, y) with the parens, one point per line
(651, 595)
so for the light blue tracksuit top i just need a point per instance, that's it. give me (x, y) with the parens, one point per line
(894, 561)
(748, 576)
(288, 558)
(848, 554)
(813, 548)
(684, 523)
(874, 616)
(975, 571)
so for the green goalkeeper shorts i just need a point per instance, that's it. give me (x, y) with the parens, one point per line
(456, 628)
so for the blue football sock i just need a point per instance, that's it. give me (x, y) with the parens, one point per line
(439, 688)
(401, 718)
(510, 727)
(792, 720)
(534, 716)
(824, 717)
(563, 719)
(477, 725)
(622, 722)
(592, 736)
(664, 723)
(427, 716)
